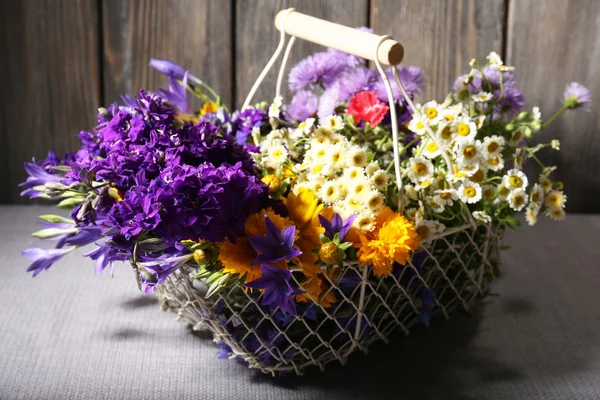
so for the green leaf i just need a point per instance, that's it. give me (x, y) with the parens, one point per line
(344, 246)
(324, 238)
(217, 286)
(53, 232)
(56, 219)
(71, 202)
(336, 239)
(214, 277)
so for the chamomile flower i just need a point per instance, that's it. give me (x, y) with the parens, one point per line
(531, 213)
(371, 168)
(364, 221)
(445, 134)
(557, 214)
(380, 179)
(515, 179)
(420, 169)
(517, 199)
(374, 200)
(411, 213)
(304, 128)
(502, 193)
(276, 155)
(432, 111)
(275, 108)
(336, 156)
(468, 152)
(555, 199)
(354, 173)
(445, 197)
(481, 216)
(427, 229)
(431, 149)
(356, 157)
(318, 169)
(469, 192)
(434, 204)
(494, 163)
(334, 122)
(537, 194)
(479, 121)
(494, 58)
(493, 145)
(359, 188)
(353, 203)
(545, 183)
(330, 192)
(518, 159)
(479, 175)
(516, 137)
(488, 192)
(418, 125)
(482, 97)
(323, 134)
(410, 193)
(465, 129)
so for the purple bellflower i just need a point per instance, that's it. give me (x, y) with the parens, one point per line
(44, 258)
(172, 70)
(275, 246)
(336, 226)
(278, 289)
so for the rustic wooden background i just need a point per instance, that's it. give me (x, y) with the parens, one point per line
(61, 59)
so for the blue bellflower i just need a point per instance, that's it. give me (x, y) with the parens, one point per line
(278, 289)
(337, 225)
(275, 246)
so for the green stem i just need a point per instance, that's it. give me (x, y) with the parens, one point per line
(558, 113)
(536, 159)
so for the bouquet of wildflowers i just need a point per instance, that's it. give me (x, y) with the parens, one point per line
(280, 227)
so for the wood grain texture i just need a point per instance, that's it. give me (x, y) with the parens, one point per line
(441, 36)
(257, 38)
(193, 33)
(552, 43)
(49, 75)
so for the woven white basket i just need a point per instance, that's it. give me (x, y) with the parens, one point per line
(452, 271)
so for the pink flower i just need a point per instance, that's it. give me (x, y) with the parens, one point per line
(365, 106)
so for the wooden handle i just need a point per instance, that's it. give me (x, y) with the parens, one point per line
(340, 37)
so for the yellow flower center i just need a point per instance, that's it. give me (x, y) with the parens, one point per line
(321, 153)
(515, 181)
(517, 136)
(355, 204)
(492, 147)
(463, 129)
(336, 157)
(494, 161)
(432, 147)
(518, 200)
(447, 133)
(470, 192)
(470, 152)
(478, 176)
(431, 113)
(559, 185)
(445, 196)
(330, 191)
(503, 191)
(277, 153)
(423, 231)
(353, 174)
(535, 197)
(489, 194)
(419, 125)
(449, 117)
(420, 169)
(360, 189)
(379, 181)
(317, 168)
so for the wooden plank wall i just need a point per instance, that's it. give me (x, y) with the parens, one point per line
(61, 59)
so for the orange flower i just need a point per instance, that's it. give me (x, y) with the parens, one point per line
(318, 290)
(393, 239)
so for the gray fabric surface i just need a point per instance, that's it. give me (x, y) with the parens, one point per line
(69, 334)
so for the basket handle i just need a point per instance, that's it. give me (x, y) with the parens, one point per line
(340, 37)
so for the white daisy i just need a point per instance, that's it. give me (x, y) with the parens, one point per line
(515, 179)
(432, 111)
(330, 192)
(479, 121)
(304, 128)
(494, 163)
(359, 188)
(537, 194)
(531, 213)
(431, 149)
(336, 156)
(502, 193)
(489, 192)
(323, 134)
(557, 214)
(420, 169)
(482, 97)
(372, 167)
(518, 159)
(275, 108)
(411, 213)
(354, 173)
(445, 197)
(517, 199)
(277, 155)
(333, 122)
(494, 58)
(555, 199)
(353, 203)
(380, 179)
(435, 206)
(356, 157)
(374, 201)
(427, 229)
(479, 175)
(481, 216)
(468, 152)
(450, 114)
(316, 183)
(418, 125)
(445, 135)
(516, 137)
(493, 145)
(465, 129)
(469, 192)
(545, 183)
(364, 221)
(410, 193)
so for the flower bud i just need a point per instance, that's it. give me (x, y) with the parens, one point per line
(329, 253)
(522, 115)
(202, 257)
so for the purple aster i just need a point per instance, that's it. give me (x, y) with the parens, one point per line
(172, 70)
(303, 105)
(278, 291)
(411, 78)
(38, 176)
(576, 96)
(320, 68)
(336, 226)
(243, 122)
(44, 258)
(328, 102)
(355, 80)
(276, 245)
(510, 104)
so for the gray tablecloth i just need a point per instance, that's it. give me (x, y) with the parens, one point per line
(70, 334)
